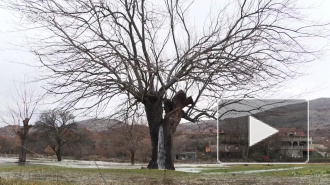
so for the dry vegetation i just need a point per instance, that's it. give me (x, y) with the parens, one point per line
(309, 174)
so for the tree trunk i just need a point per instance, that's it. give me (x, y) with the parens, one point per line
(23, 134)
(173, 109)
(132, 157)
(59, 154)
(168, 142)
(154, 113)
(22, 150)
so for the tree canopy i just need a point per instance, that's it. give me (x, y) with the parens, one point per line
(97, 49)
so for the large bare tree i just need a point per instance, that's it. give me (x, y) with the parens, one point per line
(147, 52)
(18, 114)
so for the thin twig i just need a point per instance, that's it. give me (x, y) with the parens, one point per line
(98, 169)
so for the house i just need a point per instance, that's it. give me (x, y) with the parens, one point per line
(287, 143)
(294, 142)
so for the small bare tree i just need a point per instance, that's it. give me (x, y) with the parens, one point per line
(237, 133)
(147, 51)
(21, 109)
(134, 134)
(57, 128)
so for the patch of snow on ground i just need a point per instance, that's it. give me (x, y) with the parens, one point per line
(270, 170)
(191, 168)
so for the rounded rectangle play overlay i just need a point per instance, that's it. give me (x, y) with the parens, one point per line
(263, 131)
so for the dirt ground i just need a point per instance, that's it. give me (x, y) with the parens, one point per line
(45, 171)
(108, 178)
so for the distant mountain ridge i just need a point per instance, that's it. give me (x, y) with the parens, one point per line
(99, 125)
(319, 112)
(94, 125)
(7, 131)
(319, 117)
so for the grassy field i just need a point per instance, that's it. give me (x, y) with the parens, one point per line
(239, 174)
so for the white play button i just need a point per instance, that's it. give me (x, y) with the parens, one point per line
(259, 131)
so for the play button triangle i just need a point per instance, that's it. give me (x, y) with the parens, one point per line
(259, 131)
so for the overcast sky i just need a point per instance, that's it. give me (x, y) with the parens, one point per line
(316, 81)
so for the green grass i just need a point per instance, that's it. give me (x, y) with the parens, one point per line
(28, 182)
(64, 175)
(64, 170)
(239, 168)
(308, 169)
(27, 168)
(40, 174)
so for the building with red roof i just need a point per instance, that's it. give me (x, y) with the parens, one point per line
(294, 142)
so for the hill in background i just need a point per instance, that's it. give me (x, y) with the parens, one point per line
(286, 116)
(319, 114)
